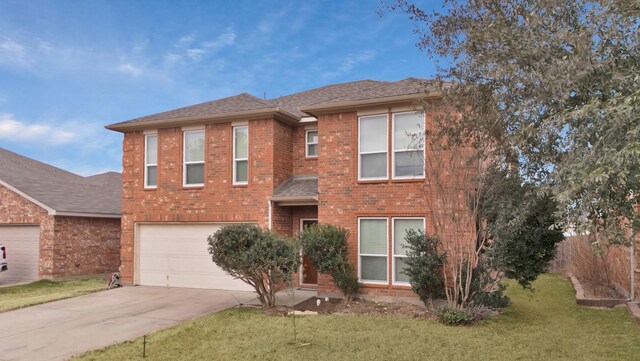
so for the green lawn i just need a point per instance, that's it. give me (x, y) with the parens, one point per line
(544, 325)
(45, 291)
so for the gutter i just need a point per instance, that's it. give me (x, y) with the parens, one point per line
(278, 113)
(321, 108)
(293, 198)
(87, 215)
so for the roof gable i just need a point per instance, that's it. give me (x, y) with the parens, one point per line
(59, 191)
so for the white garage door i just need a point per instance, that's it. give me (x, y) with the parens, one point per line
(23, 250)
(175, 255)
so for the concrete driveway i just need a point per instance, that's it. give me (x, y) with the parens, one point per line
(61, 329)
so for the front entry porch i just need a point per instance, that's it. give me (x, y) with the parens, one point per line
(293, 207)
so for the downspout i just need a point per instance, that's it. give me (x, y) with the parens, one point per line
(632, 266)
(269, 214)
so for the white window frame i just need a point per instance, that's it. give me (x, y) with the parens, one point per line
(184, 158)
(394, 151)
(360, 153)
(373, 282)
(307, 143)
(393, 247)
(236, 160)
(147, 165)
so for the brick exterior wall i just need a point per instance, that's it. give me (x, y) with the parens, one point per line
(302, 164)
(69, 246)
(270, 164)
(276, 151)
(343, 199)
(86, 246)
(14, 209)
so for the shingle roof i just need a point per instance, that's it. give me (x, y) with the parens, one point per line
(322, 95)
(236, 103)
(60, 190)
(298, 186)
(336, 93)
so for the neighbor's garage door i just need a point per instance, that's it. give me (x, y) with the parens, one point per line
(175, 255)
(23, 250)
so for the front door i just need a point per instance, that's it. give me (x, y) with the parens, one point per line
(309, 274)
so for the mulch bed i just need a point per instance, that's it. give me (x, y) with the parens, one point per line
(358, 307)
(598, 290)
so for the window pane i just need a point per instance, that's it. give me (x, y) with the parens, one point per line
(400, 266)
(373, 268)
(194, 146)
(312, 137)
(373, 165)
(152, 175)
(152, 149)
(242, 171)
(373, 134)
(373, 236)
(407, 131)
(400, 228)
(313, 150)
(195, 173)
(409, 163)
(242, 145)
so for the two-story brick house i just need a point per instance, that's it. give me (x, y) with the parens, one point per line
(339, 154)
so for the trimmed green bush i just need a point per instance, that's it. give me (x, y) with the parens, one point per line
(424, 266)
(494, 299)
(326, 246)
(259, 258)
(454, 316)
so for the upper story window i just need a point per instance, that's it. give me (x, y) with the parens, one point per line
(408, 145)
(240, 155)
(407, 148)
(193, 172)
(372, 147)
(151, 161)
(312, 143)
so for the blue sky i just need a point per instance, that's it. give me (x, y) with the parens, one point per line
(68, 68)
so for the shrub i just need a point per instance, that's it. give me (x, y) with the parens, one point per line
(424, 266)
(493, 299)
(454, 316)
(259, 258)
(326, 246)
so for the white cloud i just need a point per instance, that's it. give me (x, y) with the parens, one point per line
(188, 49)
(187, 39)
(14, 129)
(11, 51)
(349, 63)
(195, 54)
(130, 69)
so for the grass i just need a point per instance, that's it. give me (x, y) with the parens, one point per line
(42, 291)
(543, 325)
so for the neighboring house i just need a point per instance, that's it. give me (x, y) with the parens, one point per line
(57, 224)
(339, 154)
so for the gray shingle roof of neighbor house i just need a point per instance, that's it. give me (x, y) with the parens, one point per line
(293, 107)
(61, 192)
(297, 187)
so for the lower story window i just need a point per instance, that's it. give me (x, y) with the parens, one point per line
(400, 228)
(373, 247)
(373, 244)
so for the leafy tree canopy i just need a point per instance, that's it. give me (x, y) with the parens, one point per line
(551, 88)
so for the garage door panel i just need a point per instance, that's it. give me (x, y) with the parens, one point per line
(177, 256)
(23, 253)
